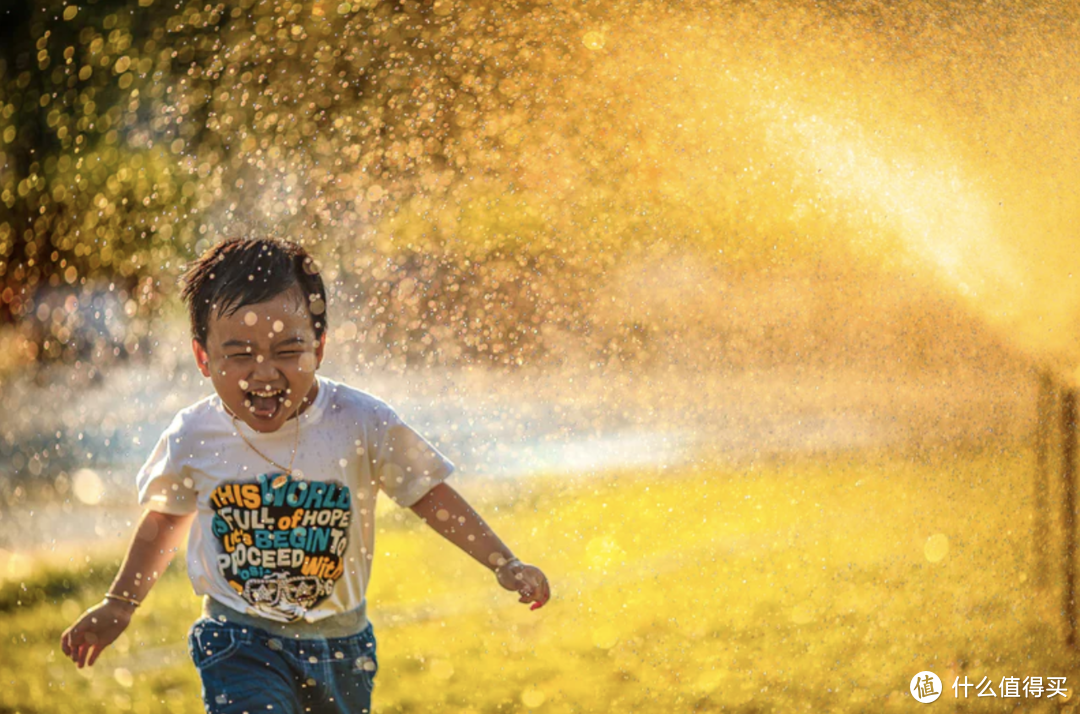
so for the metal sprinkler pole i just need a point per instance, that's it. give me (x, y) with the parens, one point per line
(1040, 534)
(1068, 477)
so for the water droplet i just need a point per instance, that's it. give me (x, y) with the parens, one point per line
(533, 697)
(123, 677)
(936, 548)
(87, 486)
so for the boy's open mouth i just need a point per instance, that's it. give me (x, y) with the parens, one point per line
(264, 404)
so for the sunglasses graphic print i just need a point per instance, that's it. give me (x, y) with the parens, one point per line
(282, 540)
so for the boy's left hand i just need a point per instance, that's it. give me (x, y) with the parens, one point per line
(527, 580)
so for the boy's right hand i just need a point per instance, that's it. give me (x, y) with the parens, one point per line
(95, 630)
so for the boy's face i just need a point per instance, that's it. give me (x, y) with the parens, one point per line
(262, 360)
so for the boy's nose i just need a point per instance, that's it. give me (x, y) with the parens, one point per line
(264, 371)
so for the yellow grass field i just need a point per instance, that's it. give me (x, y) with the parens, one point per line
(820, 585)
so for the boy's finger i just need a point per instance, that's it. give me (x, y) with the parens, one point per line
(84, 652)
(73, 646)
(93, 657)
(545, 595)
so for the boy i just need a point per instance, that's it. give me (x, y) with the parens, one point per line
(278, 473)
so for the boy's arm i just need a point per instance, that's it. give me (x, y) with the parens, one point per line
(451, 516)
(156, 540)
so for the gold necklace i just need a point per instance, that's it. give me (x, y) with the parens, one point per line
(282, 478)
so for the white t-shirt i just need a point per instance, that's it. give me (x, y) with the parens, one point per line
(287, 548)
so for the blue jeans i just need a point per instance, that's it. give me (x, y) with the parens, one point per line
(245, 669)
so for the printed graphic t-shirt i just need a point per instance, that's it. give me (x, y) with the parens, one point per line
(281, 547)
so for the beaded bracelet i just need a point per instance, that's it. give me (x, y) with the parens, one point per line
(121, 598)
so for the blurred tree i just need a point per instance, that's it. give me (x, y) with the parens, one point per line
(133, 135)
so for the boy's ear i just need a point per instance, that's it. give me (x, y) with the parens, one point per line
(319, 350)
(201, 357)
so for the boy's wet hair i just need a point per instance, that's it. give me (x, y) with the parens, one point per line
(247, 271)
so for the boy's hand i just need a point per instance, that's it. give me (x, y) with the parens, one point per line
(447, 513)
(95, 630)
(525, 579)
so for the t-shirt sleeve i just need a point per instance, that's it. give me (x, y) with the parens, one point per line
(407, 465)
(162, 484)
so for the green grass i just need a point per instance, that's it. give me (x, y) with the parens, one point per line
(800, 586)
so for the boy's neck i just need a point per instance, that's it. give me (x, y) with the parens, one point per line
(309, 399)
